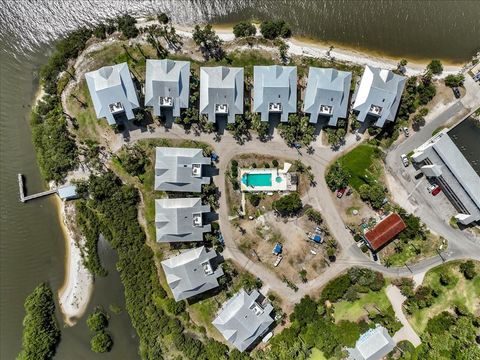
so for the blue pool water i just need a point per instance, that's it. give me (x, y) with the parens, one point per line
(257, 179)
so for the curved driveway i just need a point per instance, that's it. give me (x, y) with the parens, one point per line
(319, 197)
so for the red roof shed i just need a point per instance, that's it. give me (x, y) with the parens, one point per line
(385, 231)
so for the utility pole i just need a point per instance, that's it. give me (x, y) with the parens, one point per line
(440, 254)
(408, 267)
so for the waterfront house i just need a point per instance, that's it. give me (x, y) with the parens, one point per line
(374, 344)
(113, 92)
(274, 91)
(180, 169)
(180, 220)
(167, 86)
(384, 232)
(221, 92)
(192, 273)
(327, 94)
(440, 159)
(244, 319)
(378, 96)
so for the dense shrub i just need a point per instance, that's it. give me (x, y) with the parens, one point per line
(374, 194)
(453, 80)
(97, 320)
(40, 328)
(254, 199)
(314, 215)
(468, 269)
(134, 160)
(126, 24)
(435, 66)
(101, 342)
(337, 177)
(336, 288)
(288, 205)
(273, 29)
(244, 29)
(56, 149)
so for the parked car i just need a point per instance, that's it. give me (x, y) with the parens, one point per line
(340, 192)
(406, 132)
(404, 160)
(419, 175)
(456, 92)
(279, 258)
(436, 190)
(430, 187)
(375, 256)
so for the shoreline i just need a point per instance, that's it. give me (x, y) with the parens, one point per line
(76, 290)
(75, 293)
(316, 48)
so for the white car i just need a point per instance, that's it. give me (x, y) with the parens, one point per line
(404, 160)
(431, 187)
(406, 132)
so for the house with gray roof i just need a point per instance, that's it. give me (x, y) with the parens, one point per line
(113, 92)
(439, 158)
(372, 345)
(167, 86)
(327, 94)
(221, 92)
(191, 273)
(274, 91)
(180, 220)
(378, 95)
(180, 169)
(243, 319)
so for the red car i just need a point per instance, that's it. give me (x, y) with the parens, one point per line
(436, 190)
(340, 192)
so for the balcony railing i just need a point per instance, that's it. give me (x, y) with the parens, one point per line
(326, 110)
(166, 101)
(116, 108)
(375, 110)
(221, 109)
(275, 107)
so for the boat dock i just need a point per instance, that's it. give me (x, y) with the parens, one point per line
(24, 198)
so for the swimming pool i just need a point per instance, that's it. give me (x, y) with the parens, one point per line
(257, 179)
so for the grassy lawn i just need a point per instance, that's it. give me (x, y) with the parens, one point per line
(317, 355)
(354, 311)
(437, 130)
(460, 291)
(412, 252)
(360, 163)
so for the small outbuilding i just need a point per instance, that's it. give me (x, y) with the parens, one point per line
(374, 344)
(384, 232)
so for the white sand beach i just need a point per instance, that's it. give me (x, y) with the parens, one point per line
(77, 288)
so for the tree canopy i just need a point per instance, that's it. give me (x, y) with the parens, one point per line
(244, 29)
(272, 29)
(289, 204)
(41, 333)
(101, 342)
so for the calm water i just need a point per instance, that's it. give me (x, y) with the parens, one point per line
(31, 242)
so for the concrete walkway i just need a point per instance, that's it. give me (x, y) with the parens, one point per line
(406, 332)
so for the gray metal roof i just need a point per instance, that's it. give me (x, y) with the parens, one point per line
(191, 273)
(175, 169)
(372, 345)
(67, 192)
(242, 320)
(449, 163)
(218, 86)
(174, 220)
(329, 89)
(382, 89)
(109, 85)
(275, 84)
(167, 79)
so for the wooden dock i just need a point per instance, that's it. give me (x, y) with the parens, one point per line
(24, 198)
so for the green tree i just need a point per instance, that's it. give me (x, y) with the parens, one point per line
(435, 66)
(374, 194)
(289, 204)
(244, 29)
(97, 320)
(468, 269)
(126, 24)
(454, 80)
(297, 129)
(314, 215)
(40, 328)
(337, 177)
(208, 41)
(273, 29)
(261, 127)
(101, 342)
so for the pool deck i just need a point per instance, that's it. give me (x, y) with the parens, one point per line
(284, 184)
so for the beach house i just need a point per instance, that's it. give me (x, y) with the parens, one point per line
(327, 94)
(113, 92)
(167, 87)
(378, 96)
(191, 273)
(244, 319)
(274, 91)
(180, 220)
(180, 169)
(374, 344)
(221, 92)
